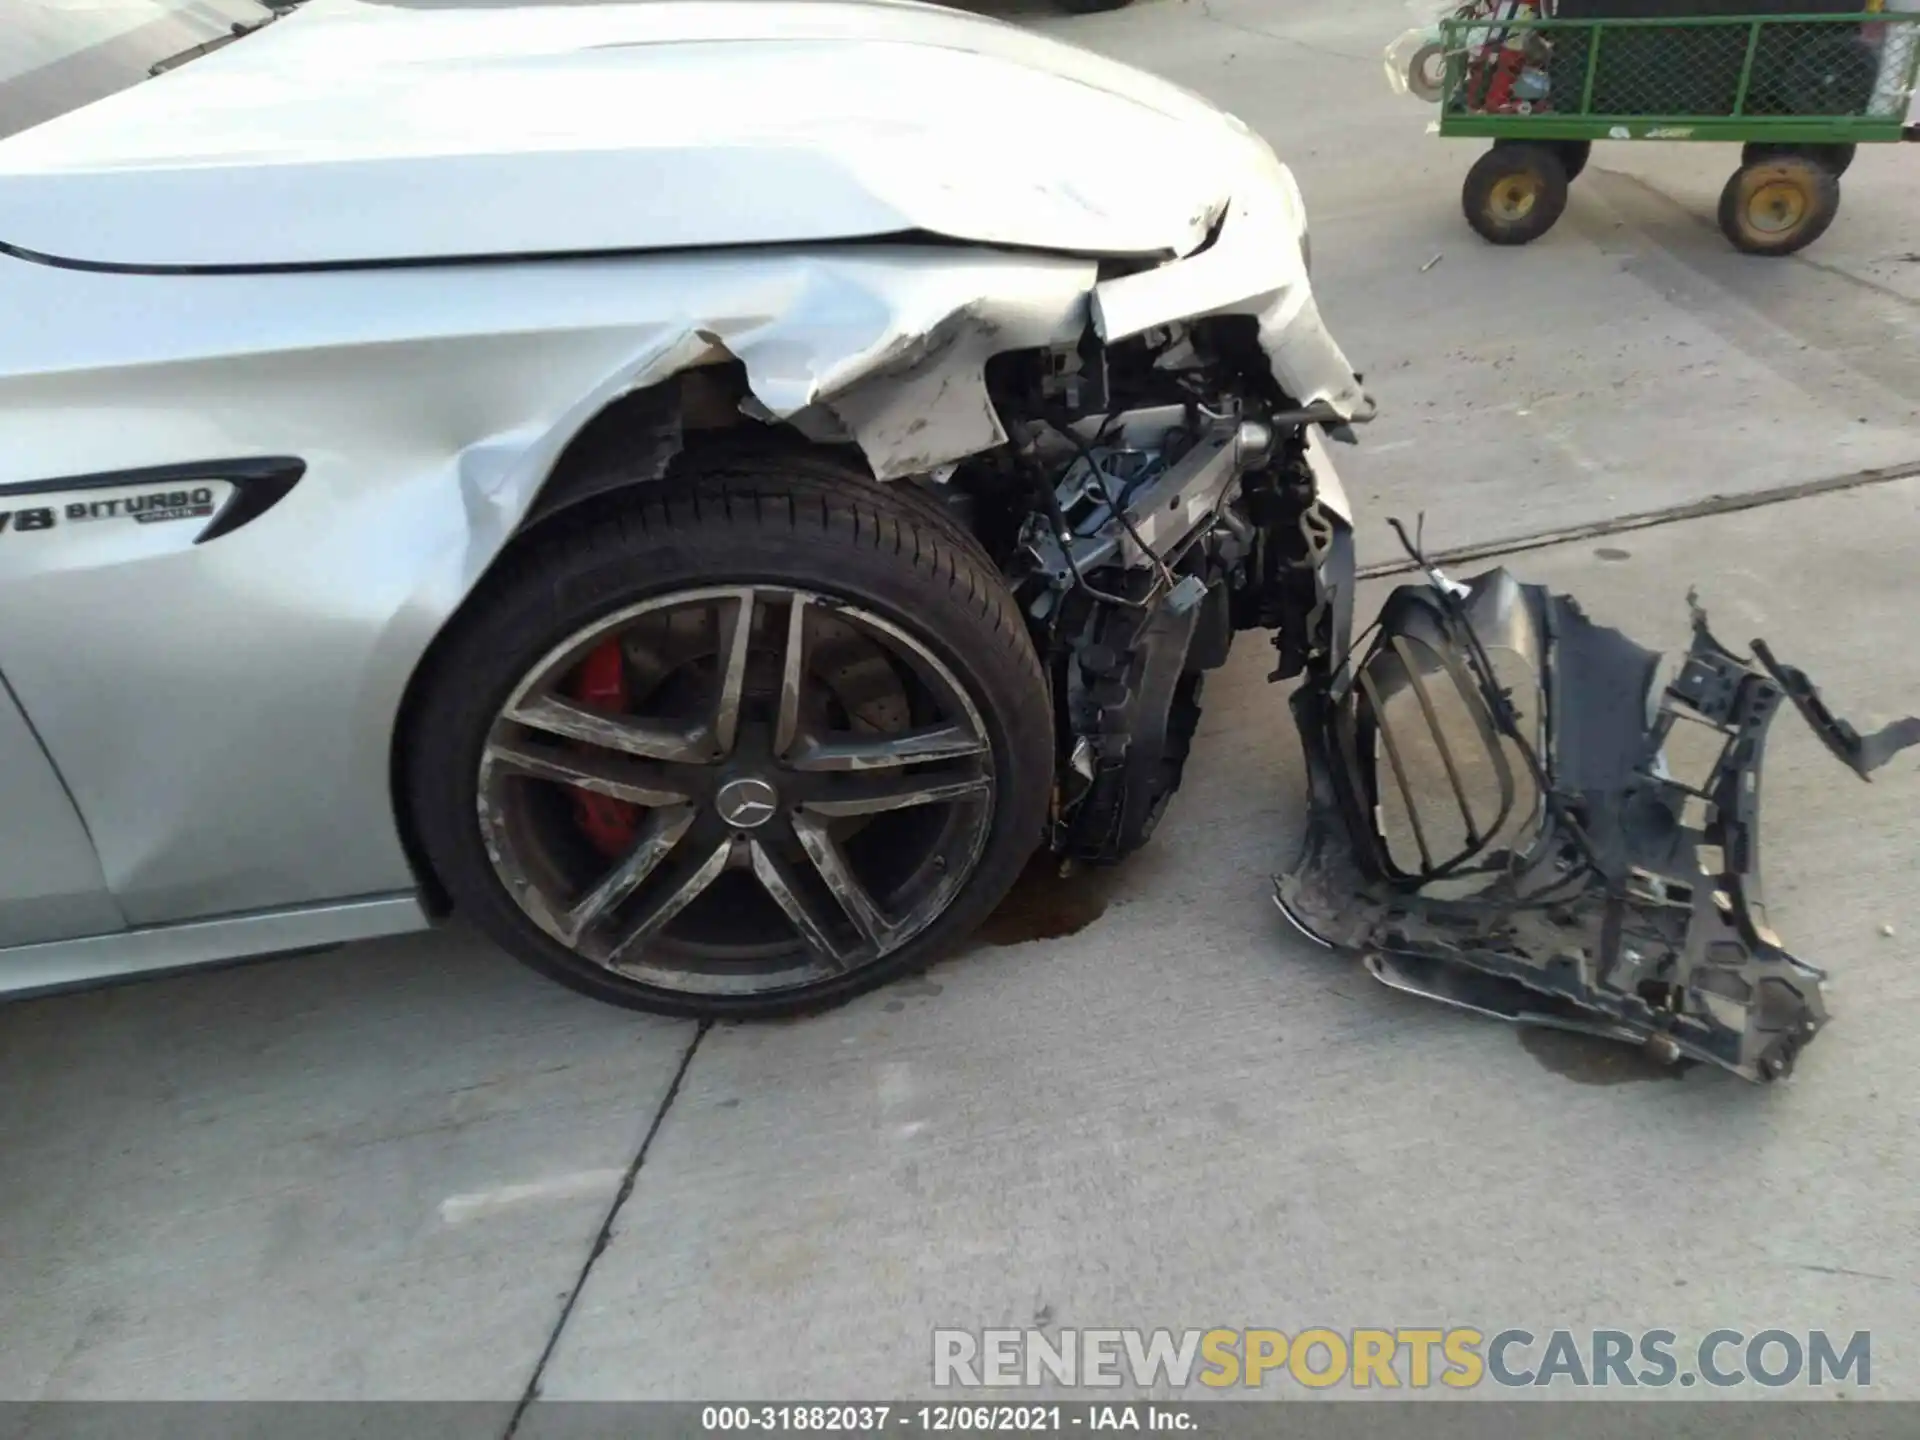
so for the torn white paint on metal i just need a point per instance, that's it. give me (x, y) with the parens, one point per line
(1257, 265)
(895, 349)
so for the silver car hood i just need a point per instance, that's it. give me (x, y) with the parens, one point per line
(353, 132)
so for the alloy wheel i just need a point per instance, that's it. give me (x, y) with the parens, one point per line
(737, 790)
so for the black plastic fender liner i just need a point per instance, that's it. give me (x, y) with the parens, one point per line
(1627, 902)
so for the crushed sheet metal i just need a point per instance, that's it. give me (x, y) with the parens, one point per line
(912, 391)
(883, 346)
(1258, 266)
(888, 346)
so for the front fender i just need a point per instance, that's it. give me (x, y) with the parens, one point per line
(430, 407)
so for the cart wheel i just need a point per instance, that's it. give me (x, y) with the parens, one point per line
(1837, 158)
(1573, 154)
(1515, 193)
(1778, 206)
(1427, 72)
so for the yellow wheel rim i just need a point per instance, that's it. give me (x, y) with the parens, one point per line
(1513, 198)
(1777, 207)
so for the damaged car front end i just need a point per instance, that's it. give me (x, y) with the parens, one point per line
(1510, 813)
(719, 602)
(792, 512)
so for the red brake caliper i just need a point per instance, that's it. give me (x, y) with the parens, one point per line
(601, 684)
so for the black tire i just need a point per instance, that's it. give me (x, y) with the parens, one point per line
(1779, 206)
(1091, 7)
(793, 520)
(1515, 193)
(1574, 154)
(1837, 158)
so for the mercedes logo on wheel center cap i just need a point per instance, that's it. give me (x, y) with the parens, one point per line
(746, 803)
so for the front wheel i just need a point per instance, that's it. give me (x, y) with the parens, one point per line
(1091, 7)
(745, 747)
(1779, 206)
(1515, 193)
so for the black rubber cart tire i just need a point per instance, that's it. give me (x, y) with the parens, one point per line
(1837, 158)
(810, 535)
(1779, 206)
(1574, 154)
(1515, 193)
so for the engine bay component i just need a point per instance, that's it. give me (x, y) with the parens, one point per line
(1506, 817)
(1159, 495)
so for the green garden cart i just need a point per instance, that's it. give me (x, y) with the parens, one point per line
(1798, 90)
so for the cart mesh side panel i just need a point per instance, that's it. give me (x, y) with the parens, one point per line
(1847, 68)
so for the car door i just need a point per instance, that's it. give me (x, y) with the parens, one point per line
(51, 886)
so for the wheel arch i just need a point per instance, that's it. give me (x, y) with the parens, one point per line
(817, 523)
(641, 437)
(638, 439)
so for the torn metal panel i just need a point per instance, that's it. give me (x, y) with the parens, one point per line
(912, 392)
(1257, 265)
(889, 346)
(1507, 817)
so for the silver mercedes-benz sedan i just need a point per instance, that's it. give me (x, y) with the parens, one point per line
(707, 490)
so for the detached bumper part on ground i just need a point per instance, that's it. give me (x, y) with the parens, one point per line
(1505, 818)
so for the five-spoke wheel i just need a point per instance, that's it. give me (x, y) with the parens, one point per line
(790, 739)
(743, 746)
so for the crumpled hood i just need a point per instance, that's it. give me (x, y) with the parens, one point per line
(357, 132)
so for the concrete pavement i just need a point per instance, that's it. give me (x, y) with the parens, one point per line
(401, 1170)
(372, 1172)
